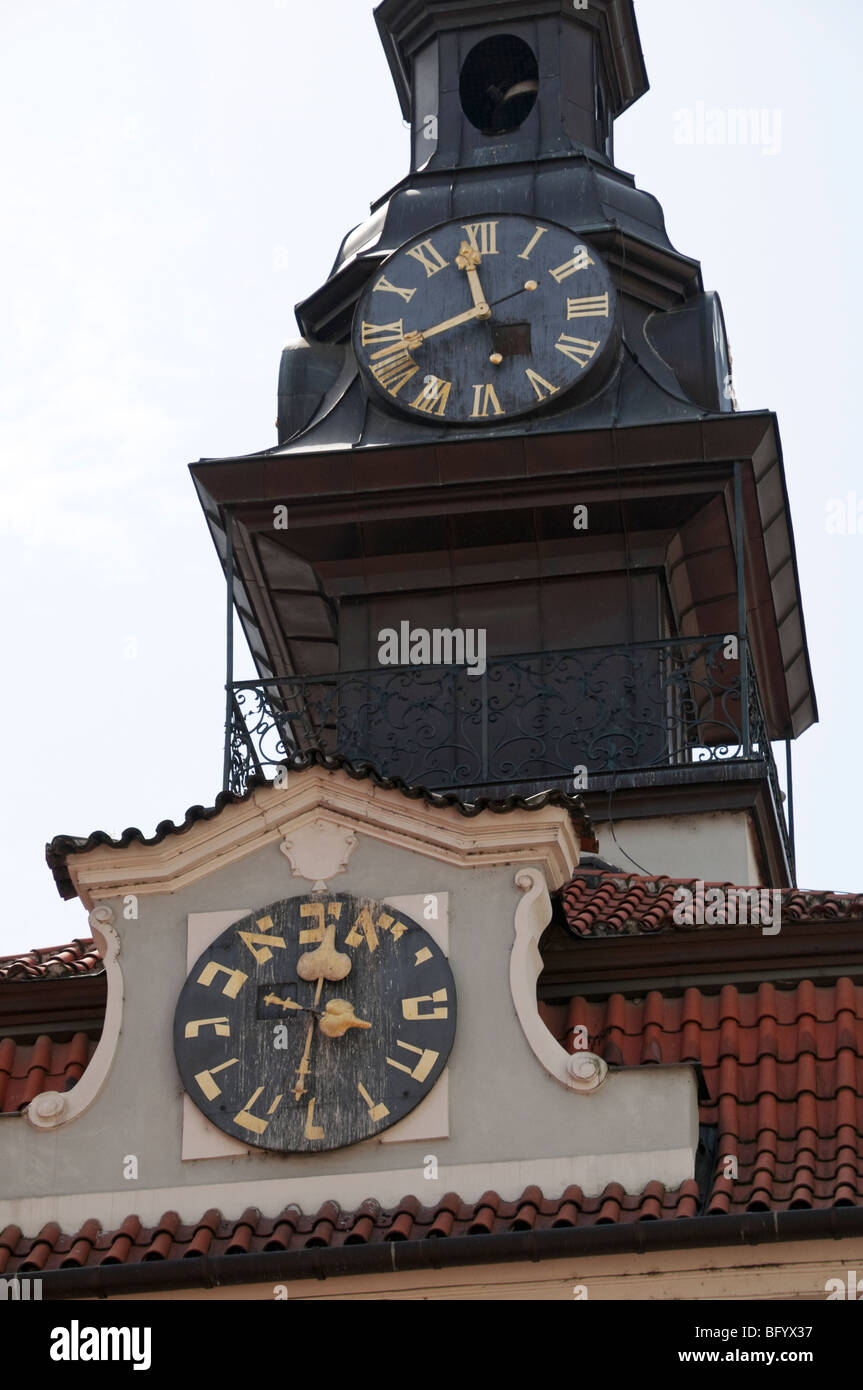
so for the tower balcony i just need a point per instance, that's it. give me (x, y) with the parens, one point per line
(592, 720)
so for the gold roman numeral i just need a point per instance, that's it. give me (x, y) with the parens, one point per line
(412, 1008)
(382, 333)
(246, 1120)
(579, 349)
(483, 397)
(432, 399)
(429, 258)
(580, 261)
(592, 307)
(540, 385)
(393, 368)
(422, 1068)
(525, 254)
(482, 237)
(386, 288)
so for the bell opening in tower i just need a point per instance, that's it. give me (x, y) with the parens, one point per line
(499, 84)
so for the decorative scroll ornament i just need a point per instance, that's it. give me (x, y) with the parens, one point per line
(52, 1108)
(580, 1071)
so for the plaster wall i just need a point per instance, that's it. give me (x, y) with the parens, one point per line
(510, 1122)
(716, 846)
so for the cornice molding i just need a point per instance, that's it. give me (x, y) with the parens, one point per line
(314, 796)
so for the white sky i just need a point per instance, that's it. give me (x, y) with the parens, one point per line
(175, 176)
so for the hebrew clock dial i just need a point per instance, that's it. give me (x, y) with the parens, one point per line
(315, 1023)
(486, 319)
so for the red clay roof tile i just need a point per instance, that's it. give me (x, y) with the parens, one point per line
(27, 1069)
(783, 1069)
(78, 957)
(599, 903)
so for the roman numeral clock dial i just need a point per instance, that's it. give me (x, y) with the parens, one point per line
(315, 1023)
(485, 320)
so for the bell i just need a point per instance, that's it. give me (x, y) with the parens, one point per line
(514, 106)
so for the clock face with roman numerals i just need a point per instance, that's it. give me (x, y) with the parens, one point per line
(315, 1023)
(486, 319)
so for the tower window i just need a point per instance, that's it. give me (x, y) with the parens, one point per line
(499, 84)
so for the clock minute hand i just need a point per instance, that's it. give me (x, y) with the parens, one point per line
(338, 1017)
(415, 340)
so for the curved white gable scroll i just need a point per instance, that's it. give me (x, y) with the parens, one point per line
(52, 1108)
(579, 1071)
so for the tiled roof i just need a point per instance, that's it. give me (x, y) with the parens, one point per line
(618, 904)
(78, 957)
(58, 849)
(784, 1072)
(369, 1224)
(26, 1069)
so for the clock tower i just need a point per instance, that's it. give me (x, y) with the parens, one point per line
(519, 581)
(514, 535)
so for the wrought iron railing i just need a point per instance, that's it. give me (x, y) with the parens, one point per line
(526, 721)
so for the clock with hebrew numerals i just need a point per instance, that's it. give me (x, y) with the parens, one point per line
(315, 1023)
(487, 319)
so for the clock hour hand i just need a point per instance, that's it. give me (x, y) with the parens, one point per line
(468, 259)
(285, 1004)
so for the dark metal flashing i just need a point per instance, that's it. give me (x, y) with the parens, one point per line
(396, 1257)
(58, 850)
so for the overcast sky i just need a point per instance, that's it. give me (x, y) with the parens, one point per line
(175, 177)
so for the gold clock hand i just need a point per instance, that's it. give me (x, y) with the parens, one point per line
(468, 259)
(305, 1066)
(283, 1003)
(338, 1017)
(325, 962)
(415, 340)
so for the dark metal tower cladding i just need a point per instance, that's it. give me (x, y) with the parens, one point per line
(514, 533)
